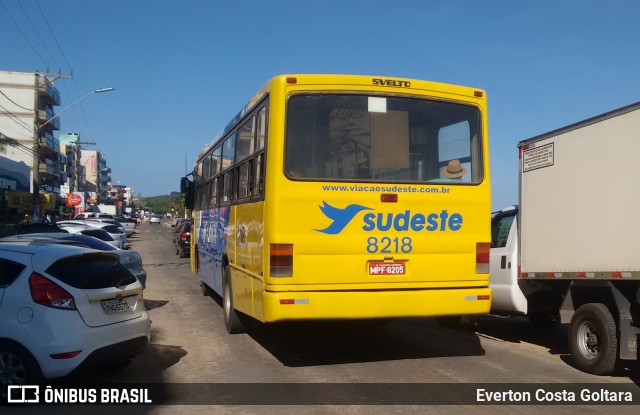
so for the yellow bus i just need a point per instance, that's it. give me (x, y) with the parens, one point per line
(346, 197)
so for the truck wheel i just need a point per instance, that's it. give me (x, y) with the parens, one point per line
(232, 320)
(593, 339)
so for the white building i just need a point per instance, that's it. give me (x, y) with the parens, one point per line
(27, 101)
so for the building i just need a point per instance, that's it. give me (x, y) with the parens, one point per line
(27, 102)
(95, 175)
(68, 147)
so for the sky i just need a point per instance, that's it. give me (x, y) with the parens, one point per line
(182, 70)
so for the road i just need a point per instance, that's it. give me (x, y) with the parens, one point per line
(338, 364)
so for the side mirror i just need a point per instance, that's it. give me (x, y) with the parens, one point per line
(184, 185)
(188, 188)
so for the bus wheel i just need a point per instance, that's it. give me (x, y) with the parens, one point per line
(232, 320)
(592, 339)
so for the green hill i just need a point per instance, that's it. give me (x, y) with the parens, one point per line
(164, 204)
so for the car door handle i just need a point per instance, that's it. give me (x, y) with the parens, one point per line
(503, 262)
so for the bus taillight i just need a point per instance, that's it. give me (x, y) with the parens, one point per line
(281, 260)
(482, 257)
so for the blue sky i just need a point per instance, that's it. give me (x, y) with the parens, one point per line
(182, 70)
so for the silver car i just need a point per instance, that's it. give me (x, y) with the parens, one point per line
(114, 230)
(82, 229)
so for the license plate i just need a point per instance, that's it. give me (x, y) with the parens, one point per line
(386, 268)
(117, 305)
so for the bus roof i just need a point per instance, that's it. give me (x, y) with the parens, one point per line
(338, 79)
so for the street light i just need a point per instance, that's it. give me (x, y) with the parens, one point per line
(97, 91)
(36, 165)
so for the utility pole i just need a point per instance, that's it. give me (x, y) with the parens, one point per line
(38, 144)
(37, 139)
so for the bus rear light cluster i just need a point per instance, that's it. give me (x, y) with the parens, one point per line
(281, 260)
(482, 257)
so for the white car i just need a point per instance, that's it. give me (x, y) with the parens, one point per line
(63, 307)
(114, 230)
(82, 229)
(154, 219)
(129, 258)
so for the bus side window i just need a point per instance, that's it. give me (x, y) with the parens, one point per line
(219, 189)
(243, 180)
(198, 201)
(227, 192)
(213, 192)
(245, 143)
(261, 128)
(258, 182)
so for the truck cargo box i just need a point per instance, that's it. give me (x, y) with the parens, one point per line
(579, 198)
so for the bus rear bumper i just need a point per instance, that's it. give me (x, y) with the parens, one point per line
(310, 305)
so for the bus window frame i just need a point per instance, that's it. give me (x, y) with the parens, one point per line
(220, 177)
(477, 157)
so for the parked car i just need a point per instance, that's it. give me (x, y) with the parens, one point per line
(129, 225)
(130, 259)
(82, 229)
(183, 240)
(65, 307)
(114, 230)
(8, 229)
(154, 219)
(179, 222)
(93, 215)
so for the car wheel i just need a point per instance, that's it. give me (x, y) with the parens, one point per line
(17, 366)
(232, 320)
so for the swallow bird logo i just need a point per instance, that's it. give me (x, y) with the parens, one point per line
(340, 217)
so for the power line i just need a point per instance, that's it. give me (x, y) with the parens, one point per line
(53, 35)
(35, 30)
(15, 119)
(22, 33)
(15, 103)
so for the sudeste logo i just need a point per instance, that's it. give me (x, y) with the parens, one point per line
(340, 217)
(399, 222)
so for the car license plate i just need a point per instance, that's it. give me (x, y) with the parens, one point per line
(386, 268)
(117, 305)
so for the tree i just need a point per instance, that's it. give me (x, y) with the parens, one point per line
(7, 141)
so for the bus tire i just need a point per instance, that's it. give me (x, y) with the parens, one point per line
(232, 320)
(593, 340)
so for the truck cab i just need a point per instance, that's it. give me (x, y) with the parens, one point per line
(503, 263)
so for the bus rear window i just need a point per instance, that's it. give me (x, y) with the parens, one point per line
(377, 138)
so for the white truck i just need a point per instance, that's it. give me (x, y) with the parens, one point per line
(110, 209)
(570, 251)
